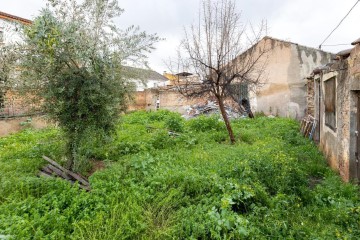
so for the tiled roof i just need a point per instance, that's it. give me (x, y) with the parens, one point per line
(289, 42)
(10, 17)
(144, 73)
(357, 41)
(344, 53)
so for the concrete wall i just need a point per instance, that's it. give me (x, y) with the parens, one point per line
(288, 65)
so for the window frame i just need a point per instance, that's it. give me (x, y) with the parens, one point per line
(330, 97)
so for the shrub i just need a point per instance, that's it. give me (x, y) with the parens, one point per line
(174, 123)
(206, 123)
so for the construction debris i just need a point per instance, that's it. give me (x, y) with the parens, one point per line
(53, 169)
(211, 108)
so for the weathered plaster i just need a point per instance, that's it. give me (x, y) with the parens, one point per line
(339, 145)
(288, 66)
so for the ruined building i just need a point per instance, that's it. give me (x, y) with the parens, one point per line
(287, 64)
(334, 101)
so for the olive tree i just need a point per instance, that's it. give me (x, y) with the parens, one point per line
(72, 59)
(218, 49)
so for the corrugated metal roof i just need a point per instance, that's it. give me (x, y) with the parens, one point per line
(8, 16)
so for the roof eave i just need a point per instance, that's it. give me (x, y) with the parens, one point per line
(11, 17)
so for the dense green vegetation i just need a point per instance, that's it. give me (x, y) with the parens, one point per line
(271, 184)
(73, 55)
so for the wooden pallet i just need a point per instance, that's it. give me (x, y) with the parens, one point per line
(53, 169)
(308, 126)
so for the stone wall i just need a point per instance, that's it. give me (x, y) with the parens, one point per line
(17, 104)
(138, 102)
(310, 97)
(339, 145)
(335, 142)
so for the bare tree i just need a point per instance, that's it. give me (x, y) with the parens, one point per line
(217, 51)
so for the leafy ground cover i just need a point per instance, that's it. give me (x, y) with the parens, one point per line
(272, 184)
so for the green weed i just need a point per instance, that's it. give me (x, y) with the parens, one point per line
(271, 184)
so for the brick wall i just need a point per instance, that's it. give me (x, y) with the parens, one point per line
(16, 104)
(138, 102)
(310, 97)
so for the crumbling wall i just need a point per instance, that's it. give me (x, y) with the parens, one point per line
(16, 104)
(274, 94)
(172, 100)
(354, 84)
(334, 143)
(138, 102)
(310, 97)
(288, 65)
(343, 124)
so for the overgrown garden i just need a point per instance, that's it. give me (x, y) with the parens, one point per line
(167, 178)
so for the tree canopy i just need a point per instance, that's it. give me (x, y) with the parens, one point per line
(72, 59)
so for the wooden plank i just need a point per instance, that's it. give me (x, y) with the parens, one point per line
(59, 172)
(68, 172)
(305, 127)
(302, 126)
(44, 174)
(80, 178)
(308, 129)
(47, 170)
(87, 188)
(313, 130)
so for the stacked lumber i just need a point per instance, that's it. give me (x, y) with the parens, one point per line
(308, 126)
(53, 169)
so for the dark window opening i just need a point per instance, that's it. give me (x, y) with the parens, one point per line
(2, 100)
(244, 91)
(330, 103)
(239, 91)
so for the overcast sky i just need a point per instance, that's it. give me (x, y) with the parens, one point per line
(307, 22)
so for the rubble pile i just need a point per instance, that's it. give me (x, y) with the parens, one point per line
(210, 108)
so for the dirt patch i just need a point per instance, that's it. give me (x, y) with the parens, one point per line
(9, 126)
(96, 165)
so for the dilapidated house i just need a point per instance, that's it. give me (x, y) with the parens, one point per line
(163, 94)
(283, 92)
(283, 88)
(334, 101)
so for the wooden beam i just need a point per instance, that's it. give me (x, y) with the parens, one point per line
(68, 172)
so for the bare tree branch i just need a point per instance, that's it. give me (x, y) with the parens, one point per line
(214, 49)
